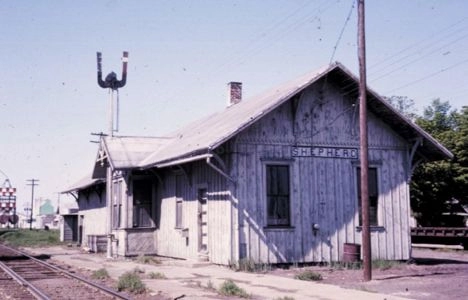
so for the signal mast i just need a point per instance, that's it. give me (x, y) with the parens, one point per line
(113, 84)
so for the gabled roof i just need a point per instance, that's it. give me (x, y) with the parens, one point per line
(200, 137)
(211, 131)
(83, 183)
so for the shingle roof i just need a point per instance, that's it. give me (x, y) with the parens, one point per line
(208, 133)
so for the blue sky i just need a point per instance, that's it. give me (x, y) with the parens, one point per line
(182, 54)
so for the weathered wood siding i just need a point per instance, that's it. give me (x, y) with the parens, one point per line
(184, 242)
(323, 190)
(92, 214)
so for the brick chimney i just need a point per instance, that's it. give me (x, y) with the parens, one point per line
(234, 92)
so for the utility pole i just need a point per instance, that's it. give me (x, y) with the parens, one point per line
(366, 240)
(32, 183)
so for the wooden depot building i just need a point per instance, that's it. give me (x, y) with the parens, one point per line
(272, 179)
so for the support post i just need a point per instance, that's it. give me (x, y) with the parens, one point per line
(366, 239)
(32, 183)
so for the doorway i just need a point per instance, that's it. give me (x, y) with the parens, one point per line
(202, 221)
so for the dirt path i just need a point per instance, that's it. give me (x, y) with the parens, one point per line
(432, 275)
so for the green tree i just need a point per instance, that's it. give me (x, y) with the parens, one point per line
(435, 184)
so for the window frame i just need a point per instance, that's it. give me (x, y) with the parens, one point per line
(137, 221)
(265, 193)
(378, 218)
(117, 203)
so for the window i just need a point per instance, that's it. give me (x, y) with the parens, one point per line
(373, 195)
(179, 201)
(278, 198)
(117, 204)
(142, 199)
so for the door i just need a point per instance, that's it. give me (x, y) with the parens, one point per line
(202, 221)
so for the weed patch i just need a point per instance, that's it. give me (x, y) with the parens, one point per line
(100, 274)
(157, 275)
(308, 276)
(148, 260)
(130, 281)
(229, 288)
(249, 265)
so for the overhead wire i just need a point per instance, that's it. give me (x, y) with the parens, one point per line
(430, 75)
(342, 31)
(267, 39)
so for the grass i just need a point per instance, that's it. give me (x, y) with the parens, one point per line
(358, 265)
(308, 276)
(100, 274)
(385, 264)
(157, 275)
(131, 282)
(229, 288)
(285, 298)
(249, 265)
(31, 238)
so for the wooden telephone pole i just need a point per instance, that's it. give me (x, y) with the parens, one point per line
(32, 183)
(366, 241)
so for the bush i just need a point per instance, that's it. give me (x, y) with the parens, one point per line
(308, 276)
(229, 288)
(130, 281)
(100, 274)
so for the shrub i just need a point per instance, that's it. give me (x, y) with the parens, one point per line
(157, 275)
(308, 276)
(229, 288)
(130, 281)
(100, 274)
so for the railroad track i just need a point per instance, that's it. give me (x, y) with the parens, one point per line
(25, 277)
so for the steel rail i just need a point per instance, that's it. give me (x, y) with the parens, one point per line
(60, 270)
(31, 287)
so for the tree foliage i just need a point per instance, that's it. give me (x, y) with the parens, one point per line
(435, 185)
(404, 105)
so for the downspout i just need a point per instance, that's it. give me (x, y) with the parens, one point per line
(231, 212)
(109, 210)
(224, 174)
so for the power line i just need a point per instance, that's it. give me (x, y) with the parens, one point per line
(418, 43)
(420, 58)
(271, 35)
(429, 76)
(342, 31)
